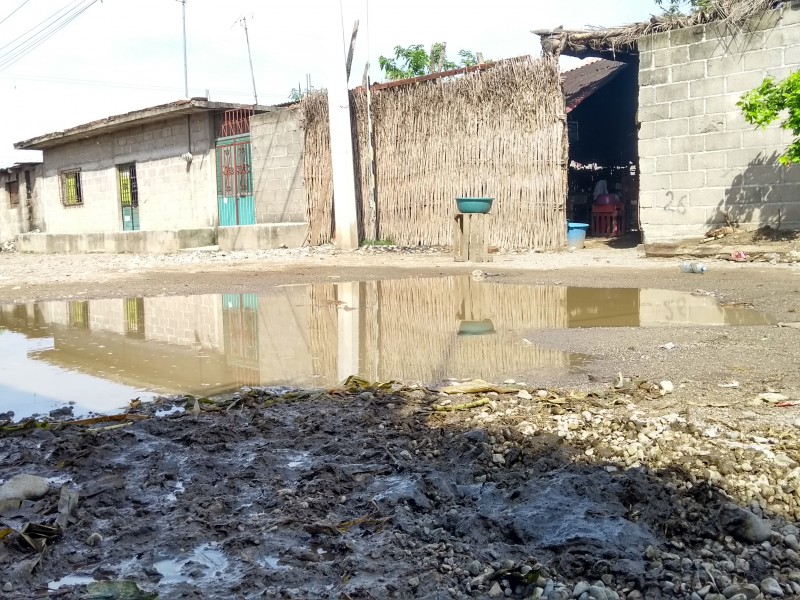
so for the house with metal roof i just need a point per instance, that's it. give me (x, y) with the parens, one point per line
(162, 179)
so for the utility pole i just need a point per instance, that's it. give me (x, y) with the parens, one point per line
(185, 62)
(243, 21)
(344, 188)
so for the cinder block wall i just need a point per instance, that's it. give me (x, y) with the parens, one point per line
(699, 158)
(277, 146)
(172, 194)
(24, 216)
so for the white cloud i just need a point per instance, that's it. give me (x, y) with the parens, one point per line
(122, 55)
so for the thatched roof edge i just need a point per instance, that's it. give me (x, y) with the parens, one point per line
(622, 40)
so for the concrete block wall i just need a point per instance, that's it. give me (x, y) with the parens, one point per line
(22, 217)
(699, 158)
(277, 153)
(284, 352)
(172, 193)
(107, 315)
(194, 321)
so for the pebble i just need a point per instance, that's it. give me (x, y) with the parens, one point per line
(495, 591)
(7, 587)
(413, 582)
(475, 568)
(580, 589)
(744, 525)
(667, 387)
(24, 487)
(747, 591)
(524, 395)
(94, 539)
(542, 393)
(598, 593)
(772, 397)
(772, 587)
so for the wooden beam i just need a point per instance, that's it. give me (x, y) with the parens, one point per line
(372, 226)
(352, 49)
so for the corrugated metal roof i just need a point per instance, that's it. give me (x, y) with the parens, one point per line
(582, 82)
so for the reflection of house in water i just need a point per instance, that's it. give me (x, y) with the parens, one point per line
(412, 329)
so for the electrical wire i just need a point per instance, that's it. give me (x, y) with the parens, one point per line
(119, 84)
(31, 44)
(40, 23)
(13, 11)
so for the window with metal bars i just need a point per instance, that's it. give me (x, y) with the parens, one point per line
(12, 187)
(71, 193)
(78, 314)
(134, 317)
(128, 186)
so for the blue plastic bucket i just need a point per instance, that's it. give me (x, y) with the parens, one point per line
(576, 235)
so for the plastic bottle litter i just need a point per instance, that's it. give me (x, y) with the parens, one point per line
(693, 267)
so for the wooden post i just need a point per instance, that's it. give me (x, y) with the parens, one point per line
(471, 238)
(352, 49)
(372, 226)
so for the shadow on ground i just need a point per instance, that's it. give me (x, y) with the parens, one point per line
(372, 495)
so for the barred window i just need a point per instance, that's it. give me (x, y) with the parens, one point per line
(71, 194)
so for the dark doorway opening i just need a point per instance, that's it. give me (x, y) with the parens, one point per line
(602, 102)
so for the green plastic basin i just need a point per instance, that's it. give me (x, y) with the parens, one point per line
(476, 327)
(474, 205)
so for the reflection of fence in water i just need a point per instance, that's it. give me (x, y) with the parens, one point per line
(324, 332)
(419, 321)
(409, 329)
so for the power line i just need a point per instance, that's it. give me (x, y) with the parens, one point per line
(13, 11)
(50, 18)
(31, 43)
(120, 84)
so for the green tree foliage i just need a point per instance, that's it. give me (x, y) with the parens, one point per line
(679, 8)
(299, 93)
(415, 61)
(768, 102)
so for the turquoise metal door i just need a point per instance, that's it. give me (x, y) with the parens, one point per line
(128, 197)
(235, 182)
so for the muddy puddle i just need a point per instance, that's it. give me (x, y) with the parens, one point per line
(97, 355)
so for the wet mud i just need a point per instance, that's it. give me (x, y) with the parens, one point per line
(369, 494)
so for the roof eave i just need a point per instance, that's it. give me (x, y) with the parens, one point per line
(153, 114)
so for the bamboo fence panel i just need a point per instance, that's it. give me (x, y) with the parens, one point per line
(318, 168)
(426, 318)
(324, 333)
(499, 132)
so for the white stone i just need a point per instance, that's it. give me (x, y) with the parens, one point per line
(772, 397)
(24, 487)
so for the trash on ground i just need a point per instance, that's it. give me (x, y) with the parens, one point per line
(739, 256)
(116, 590)
(693, 267)
(477, 386)
(732, 385)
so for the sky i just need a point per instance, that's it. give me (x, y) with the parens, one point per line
(122, 55)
